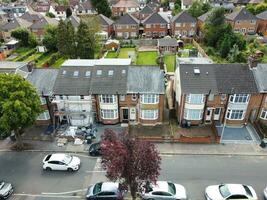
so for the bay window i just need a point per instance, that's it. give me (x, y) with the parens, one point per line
(235, 114)
(109, 114)
(149, 98)
(44, 115)
(43, 100)
(149, 114)
(195, 98)
(107, 98)
(193, 114)
(264, 113)
(239, 98)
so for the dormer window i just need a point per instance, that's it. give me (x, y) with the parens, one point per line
(123, 71)
(110, 72)
(76, 73)
(64, 72)
(88, 73)
(99, 72)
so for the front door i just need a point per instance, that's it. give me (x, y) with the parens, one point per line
(208, 115)
(125, 115)
(217, 113)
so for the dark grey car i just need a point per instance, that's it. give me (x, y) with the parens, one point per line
(6, 189)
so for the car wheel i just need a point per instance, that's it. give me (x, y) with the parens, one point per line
(48, 169)
(70, 170)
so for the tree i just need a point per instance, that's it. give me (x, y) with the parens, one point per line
(71, 40)
(68, 12)
(19, 105)
(25, 37)
(130, 161)
(102, 7)
(235, 56)
(198, 8)
(50, 38)
(62, 40)
(49, 14)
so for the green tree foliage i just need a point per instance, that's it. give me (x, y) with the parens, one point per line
(62, 2)
(257, 9)
(198, 8)
(25, 38)
(49, 14)
(71, 40)
(236, 56)
(68, 12)
(19, 105)
(62, 40)
(50, 38)
(102, 7)
(177, 7)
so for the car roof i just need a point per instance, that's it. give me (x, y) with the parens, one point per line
(57, 156)
(236, 189)
(110, 186)
(160, 186)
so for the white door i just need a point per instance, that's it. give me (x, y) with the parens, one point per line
(133, 114)
(208, 114)
(217, 113)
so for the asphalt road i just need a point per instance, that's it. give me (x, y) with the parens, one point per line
(194, 172)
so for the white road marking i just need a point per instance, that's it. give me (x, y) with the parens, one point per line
(68, 192)
(49, 196)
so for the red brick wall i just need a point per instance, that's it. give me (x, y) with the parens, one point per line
(155, 28)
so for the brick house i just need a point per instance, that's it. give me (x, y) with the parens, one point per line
(186, 4)
(144, 13)
(106, 24)
(126, 27)
(154, 5)
(85, 8)
(124, 6)
(221, 93)
(167, 45)
(200, 22)
(155, 26)
(183, 25)
(262, 23)
(242, 21)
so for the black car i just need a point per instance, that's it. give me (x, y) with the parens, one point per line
(95, 149)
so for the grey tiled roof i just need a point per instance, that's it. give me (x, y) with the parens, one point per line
(155, 18)
(260, 74)
(167, 42)
(86, 5)
(41, 23)
(183, 17)
(241, 1)
(262, 15)
(204, 17)
(241, 14)
(145, 79)
(16, 23)
(219, 78)
(127, 19)
(105, 20)
(187, 2)
(146, 10)
(109, 84)
(75, 21)
(43, 80)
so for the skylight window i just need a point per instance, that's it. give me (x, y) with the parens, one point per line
(99, 72)
(123, 71)
(76, 73)
(110, 72)
(88, 73)
(64, 72)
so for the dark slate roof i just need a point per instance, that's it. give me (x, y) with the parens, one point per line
(146, 10)
(219, 78)
(241, 14)
(69, 85)
(183, 17)
(204, 17)
(241, 1)
(43, 80)
(109, 84)
(105, 20)
(87, 5)
(127, 19)
(145, 79)
(31, 17)
(155, 18)
(262, 15)
(260, 74)
(167, 42)
(10, 25)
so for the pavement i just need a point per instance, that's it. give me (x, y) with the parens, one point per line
(163, 148)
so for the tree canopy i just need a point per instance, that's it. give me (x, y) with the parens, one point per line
(50, 38)
(102, 7)
(130, 161)
(258, 8)
(19, 105)
(26, 38)
(198, 8)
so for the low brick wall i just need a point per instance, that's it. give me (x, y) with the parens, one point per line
(202, 140)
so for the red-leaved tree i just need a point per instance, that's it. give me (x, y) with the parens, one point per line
(130, 161)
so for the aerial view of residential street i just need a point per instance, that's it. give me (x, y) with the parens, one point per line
(133, 99)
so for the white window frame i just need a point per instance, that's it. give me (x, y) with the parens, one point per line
(44, 115)
(235, 114)
(122, 97)
(189, 98)
(263, 113)
(109, 114)
(43, 100)
(162, 25)
(239, 98)
(149, 98)
(149, 114)
(148, 25)
(107, 98)
(189, 112)
(177, 24)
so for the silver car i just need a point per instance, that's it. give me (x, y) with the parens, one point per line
(6, 189)
(265, 193)
(164, 190)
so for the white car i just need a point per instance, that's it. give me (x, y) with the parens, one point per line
(230, 191)
(164, 190)
(265, 193)
(61, 161)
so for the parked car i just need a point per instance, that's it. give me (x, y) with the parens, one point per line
(164, 190)
(6, 189)
(104, 190)
(95, 149)
(61, 161)
(230, 191)
(265, 193)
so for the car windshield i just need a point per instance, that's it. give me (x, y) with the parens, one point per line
(2, 184)
(247, 190)
(67, 159)
(171, 188)
(224, 191)
(97, 188)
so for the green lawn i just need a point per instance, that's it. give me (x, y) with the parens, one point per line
(33, 57)
(43, 59)
(111, 54)
(124, 52)
(147, 58)
(169, 60)
(58, 63)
